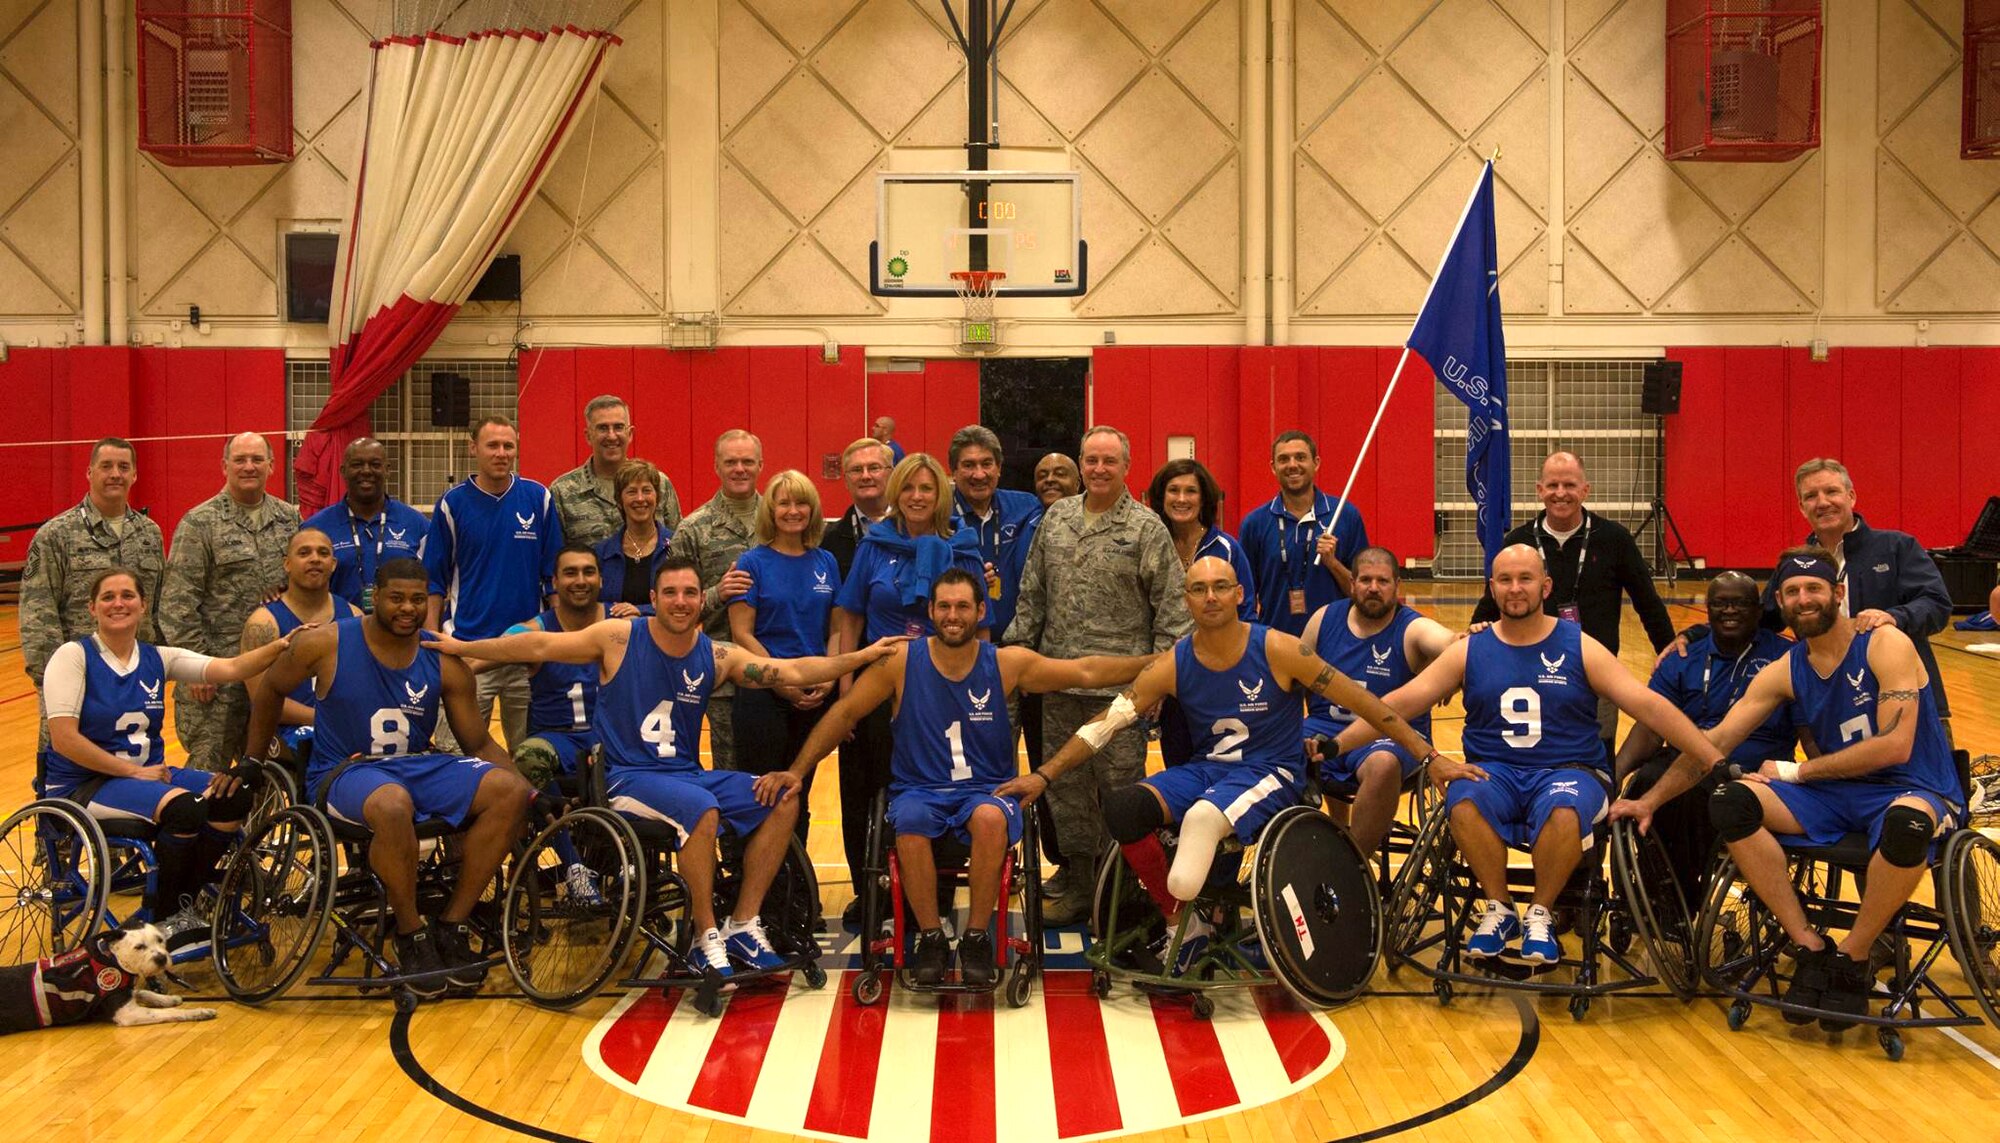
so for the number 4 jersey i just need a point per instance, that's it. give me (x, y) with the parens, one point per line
(949, 732)
(373, 708)
(1532, 705)
(649, 713)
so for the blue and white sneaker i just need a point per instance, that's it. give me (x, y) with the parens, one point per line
(1498, 928)
(709, 953)
(1194, 943)
(582, 881)
(748, 945)
(1538, 943)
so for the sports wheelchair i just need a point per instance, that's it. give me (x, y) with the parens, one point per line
(1435, 900)
(64, 873)
(1739, 945)
(564, 941)
(1306, 915)
(1020, 872)
(300, 870)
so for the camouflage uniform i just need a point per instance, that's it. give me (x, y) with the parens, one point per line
(219, 569)
(1111, 588)
(713, 537)
(589, 509)
(65, 555)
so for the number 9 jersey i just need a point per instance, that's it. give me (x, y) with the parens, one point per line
(1532, 705)
(373, 708)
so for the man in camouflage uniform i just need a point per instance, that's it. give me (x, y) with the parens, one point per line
(68, 552)
(583, 495)
(713, 536)
(1101, 579)
(228, 555)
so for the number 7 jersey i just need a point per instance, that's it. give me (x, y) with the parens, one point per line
(1530, 706)
(649, 713)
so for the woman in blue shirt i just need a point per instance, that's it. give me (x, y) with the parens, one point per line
(1187, 497)
(626, 557)
(786, 614)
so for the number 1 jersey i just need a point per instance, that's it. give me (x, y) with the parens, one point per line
(950, 732)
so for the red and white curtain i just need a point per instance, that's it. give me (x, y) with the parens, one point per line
(460, 133)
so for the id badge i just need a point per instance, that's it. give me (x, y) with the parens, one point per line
(993, 590)
(368, 598)
(1569, 611)
(1297, 596)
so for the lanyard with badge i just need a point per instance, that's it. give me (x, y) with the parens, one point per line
(381, 526)
(1730, 693)
(1308, 530)
(1570, 610)
(986, 555)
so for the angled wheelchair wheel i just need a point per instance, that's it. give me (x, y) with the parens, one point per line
(1119, 900)
(276, 788)
(1313, 893)
(792, 906)
(272, 904)
(1415, 896)
(1732, 931)
(1651, 894)
(54, 879)
(565, 931)
(1972, 914)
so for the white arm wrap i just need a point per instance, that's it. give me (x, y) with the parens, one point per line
(1788, 771)
(1120, 715)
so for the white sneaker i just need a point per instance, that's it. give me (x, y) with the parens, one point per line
(711, 954)
(582, 882)
(1498, 928)
(1538, 943)
(747, 943)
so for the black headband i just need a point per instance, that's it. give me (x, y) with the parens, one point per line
(1815, 567)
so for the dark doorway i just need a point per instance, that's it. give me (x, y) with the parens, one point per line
(1035, 405)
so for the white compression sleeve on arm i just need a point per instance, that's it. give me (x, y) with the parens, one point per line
(1117, 717)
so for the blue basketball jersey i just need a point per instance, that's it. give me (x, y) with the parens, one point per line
(561, 696)
(121, 714)
(288, 622)
(649, 713)
(1530, 706)
(1841, 712)
(372, 707)
(1239, 714)
(947, 733)
(1377, 662)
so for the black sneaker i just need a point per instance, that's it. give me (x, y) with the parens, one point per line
(1809, 981)
(932, 959)
(850, 917)
(418, 953)
(1847, 986)
(454, 945)
(975, 959)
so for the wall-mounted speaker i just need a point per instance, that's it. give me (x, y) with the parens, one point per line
(1660, 390)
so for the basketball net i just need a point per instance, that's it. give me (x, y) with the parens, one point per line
(977, 332)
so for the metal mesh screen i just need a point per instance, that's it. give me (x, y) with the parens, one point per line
(1590, 408)
(423, 461)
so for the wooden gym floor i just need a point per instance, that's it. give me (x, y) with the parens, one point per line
(1487, 1068)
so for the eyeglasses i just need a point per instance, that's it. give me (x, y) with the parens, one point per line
(1734, 605)
(1208, 590)
(867, 469)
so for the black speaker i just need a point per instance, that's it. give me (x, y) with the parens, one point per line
(501, 282)
(451, 401)
(1660, 392)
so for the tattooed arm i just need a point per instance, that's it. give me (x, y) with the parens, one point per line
(746, 670)
(1899, 679)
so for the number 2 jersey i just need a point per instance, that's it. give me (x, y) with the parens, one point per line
(949, 732)
(1841, 712)
(1530, 706)
(372, 707)
(649, 713)
(1240, 714)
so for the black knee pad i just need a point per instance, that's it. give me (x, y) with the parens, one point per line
(1906, 836)
(233, 808)
(183, 815)
(1735, 812)
(1130, 813)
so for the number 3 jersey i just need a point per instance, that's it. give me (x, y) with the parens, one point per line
(1840, 710)
(1240, 714)
(1532, 705)
(649, 713)
(371, 707)
(949, 732)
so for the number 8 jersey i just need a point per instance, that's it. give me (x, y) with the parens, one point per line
(373, 708)
(650, 711)
(1532, 705)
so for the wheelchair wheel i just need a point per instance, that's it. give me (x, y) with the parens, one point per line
(1972, 914)
(276, 788)
(1651, 894)
(53, 879)
(792, 906)
(1319, 919)
(1137, 916)
(1414, 896)
(1731, 929)
(273, 904)
(562, 948)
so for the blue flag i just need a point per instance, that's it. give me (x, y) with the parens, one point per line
(1458, 333)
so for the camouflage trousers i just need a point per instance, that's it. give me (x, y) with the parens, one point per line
(212, 733)
(722, 729)
(1074, 798)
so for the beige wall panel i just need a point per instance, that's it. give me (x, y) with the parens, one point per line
(1331, 228)
(1208, 61)
(581, 279)
(225, 282)
(1520, 132)
(1071, 61)
(1648, 227)
(308, 188)
(1154, 23)
(1379, 23)
(804, 280)
(38, 51)
(1331, 60)
(1626, 59)
(802, 146)
(1380, 143)
(175, 231)
(1110, 225)
(1597, 141)
(1734, 279)
(330, 62)
(1915, 54)
(801, 23)
(22, 291)
(1911, 228)
(847, 226)
(1155, 280)
(754, 60)
(1206, 231)
(1380, 279)
(1156, 144)
(1524, 286)
(1588, 288)
(1961, 278)
(1466, 58)
(754, 229)
(43, 231)
(888, 62)
(631, 231)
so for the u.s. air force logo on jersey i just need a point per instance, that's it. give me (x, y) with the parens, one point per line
(1378, 661)
(980, 709)
(525, 529)
(413, 703)
(691, 689)
(1858, 681)
(1552, 670)
(152, 701)
(1253, 698)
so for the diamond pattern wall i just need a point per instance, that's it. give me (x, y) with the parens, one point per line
(39, 185)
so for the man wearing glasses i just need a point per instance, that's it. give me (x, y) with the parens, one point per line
(583, 495)
(864, 465)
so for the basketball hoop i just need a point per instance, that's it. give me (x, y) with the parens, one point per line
(976, 332)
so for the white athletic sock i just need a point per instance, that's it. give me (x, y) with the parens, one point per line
(731, 926)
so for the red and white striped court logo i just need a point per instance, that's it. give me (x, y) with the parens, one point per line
(1067, 1066)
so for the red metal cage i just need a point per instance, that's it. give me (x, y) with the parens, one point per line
(215, 81)
(1980, 123)
(1743, 79)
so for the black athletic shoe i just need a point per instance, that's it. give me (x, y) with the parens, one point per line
(1847, 986)
(418, 953)
(932, 959)
(1809, 981)
(850, 917)
(975, 959)
(454, 945)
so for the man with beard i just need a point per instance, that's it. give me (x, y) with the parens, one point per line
(369, 526)
(953, 746)
(1378, 642)
(655, 675)
(562, 697)
(305, 601)
(378, 693)
(1301, 554)
(1534, 776)
(1886, 771)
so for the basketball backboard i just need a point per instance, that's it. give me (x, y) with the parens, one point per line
(1026, 224)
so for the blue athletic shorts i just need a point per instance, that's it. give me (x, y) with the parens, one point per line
(570, 746)
(1247, 795)
(296, 739)
(1341, 774)
(679, 798)
(930, 811)
(1517, 800)
(1830, 811)
(441, 786)
(127, 799)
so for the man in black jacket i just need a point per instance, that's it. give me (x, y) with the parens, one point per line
(1593, 562)
(864, 465)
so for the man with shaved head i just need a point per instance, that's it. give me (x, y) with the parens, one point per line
(306, 600)
(1533, 776)
(368, 527)
(1592, 563)
(227, 557)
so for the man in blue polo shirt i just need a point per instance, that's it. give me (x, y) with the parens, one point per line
(1000, 517)
(369, 526)
(1301, 566)
(491, 555)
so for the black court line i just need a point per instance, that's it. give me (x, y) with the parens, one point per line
(1524, 1051)
(399, 1045)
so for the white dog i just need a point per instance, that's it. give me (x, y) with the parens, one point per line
(98, 980)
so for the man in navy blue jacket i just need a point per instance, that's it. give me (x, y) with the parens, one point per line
(1301, 562)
